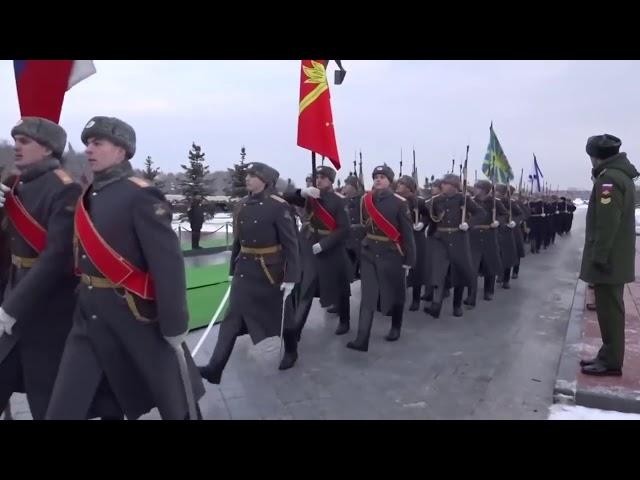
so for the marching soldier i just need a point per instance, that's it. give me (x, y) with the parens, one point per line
(570, 209)
(39, 298)
(388, 252)
(125, 353)
(549, 222)
(563, 208)
(265, 265)
(407, 188)
(195, 214)
(451, 248)
(325, 265)
(536, 223)
(485, 251)
(430, 230)
(608, 257)
(353, 192)
(557, 217)
(506, 235)
(519, 216)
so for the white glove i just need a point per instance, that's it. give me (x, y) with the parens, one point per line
(406, 270)
(6, 323)
(310, 192)
(543, 215)
(3, 190)
(230, 278)
(176, 341)
(511, 224)
(317, 248)
(418, 226)
(495, 224)
(287, 288)
(464, 226)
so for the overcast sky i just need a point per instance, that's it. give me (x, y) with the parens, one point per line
(546, 107)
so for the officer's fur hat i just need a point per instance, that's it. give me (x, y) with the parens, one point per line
(408, 182)
(484, 185)
(112, 129)
(264, 172)
(384, 170)
(43, 131)
(603, 146)
(326, 171)
(353, 181)
(452, 179)
(501, 188)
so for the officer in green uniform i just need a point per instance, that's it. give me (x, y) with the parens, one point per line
(609, 251)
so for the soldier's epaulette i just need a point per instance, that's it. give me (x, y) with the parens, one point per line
(339, 195)
(63, 176)
(400, 197)
(141, 182)
(278, 198)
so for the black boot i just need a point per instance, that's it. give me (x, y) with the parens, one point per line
(211, 374)
(344, 312)
(436, 304)
(290, 356)
(516, 270)
(489, 287)
(428, 296)
(457, 301)
(505, 279)
(396, 325)
(332, 309)
(415, 300)
(361, 343)
(472, 296)
(301, 315)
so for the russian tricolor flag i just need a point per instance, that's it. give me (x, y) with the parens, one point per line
(41, 84)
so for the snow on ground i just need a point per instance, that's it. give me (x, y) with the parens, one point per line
(576, 412)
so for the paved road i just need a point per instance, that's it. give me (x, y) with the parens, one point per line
(499, 361)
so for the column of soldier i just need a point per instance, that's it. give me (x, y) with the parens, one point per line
(94, 314)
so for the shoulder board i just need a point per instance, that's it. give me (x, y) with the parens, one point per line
(140, 182)
(278, 198)
(400, 197)
(63, 176)
(339, 195)
(602, 173)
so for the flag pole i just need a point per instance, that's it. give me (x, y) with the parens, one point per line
(313, 167)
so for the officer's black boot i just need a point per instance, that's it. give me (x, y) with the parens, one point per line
(212, 372)
(301, 315)
(516, 270)
(396, 324)
(489, 287)
(332, 309)
(436, 304)
(473, 294)
(457, 301)
(505, 279)
(289, 336)
(365, 321)
(428, 296)
(345, 319)
(415, 299)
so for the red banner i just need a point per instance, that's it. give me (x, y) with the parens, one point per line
(315, 121)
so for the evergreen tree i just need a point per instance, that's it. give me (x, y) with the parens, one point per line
(193, 183)
(238, 173)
